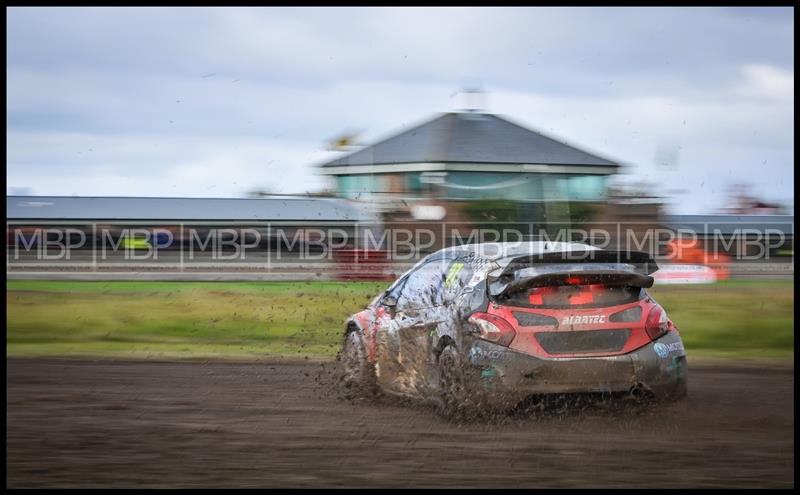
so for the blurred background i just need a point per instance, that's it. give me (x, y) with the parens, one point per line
(212, 102)
(278, 144)
(197, 199)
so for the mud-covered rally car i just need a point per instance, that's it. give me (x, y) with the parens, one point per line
(489, 325)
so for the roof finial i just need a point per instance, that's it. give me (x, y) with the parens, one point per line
(473, 99)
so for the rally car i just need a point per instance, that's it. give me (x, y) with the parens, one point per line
(490, 325)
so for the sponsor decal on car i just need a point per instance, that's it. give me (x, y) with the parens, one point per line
(488, 376)
(664, 350)
(583, 320)
(477, 354)
(475, 261)
(452, 275)
(676, 365)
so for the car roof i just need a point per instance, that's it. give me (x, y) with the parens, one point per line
(505, 251)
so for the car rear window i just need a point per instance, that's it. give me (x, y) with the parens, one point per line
(571, 296)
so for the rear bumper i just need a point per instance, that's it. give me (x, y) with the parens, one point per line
(503, 376)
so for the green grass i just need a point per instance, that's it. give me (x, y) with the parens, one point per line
(180, 319)
(250, 320)
(735, 318)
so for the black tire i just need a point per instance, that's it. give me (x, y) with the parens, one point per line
(453, 384)
(357, 375)
(679, 398)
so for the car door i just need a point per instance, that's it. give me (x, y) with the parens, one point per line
(403, 364)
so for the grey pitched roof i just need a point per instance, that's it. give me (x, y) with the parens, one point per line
(279, 208)
(470, 138)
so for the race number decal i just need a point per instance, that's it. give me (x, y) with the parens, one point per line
(452, 275)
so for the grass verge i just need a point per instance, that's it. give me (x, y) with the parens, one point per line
(255, 320)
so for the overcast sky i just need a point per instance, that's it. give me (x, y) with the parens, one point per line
(217, 101)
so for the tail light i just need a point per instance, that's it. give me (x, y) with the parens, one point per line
(629, 315)
(657, 323)
(493, 328)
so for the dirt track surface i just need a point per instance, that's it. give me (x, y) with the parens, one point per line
(147, 424)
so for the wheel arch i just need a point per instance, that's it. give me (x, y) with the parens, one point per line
(443, 342)
(351, 325)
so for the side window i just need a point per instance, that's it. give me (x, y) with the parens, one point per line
(457, 276)
(422, 288)
(395, 290)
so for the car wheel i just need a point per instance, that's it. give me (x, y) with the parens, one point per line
(679, 396)
(357, 375)
(452, 383)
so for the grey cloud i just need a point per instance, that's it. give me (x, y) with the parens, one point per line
(621, 81)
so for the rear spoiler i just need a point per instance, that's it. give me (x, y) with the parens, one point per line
(631, 268)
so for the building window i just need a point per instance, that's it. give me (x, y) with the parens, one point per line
(586, 187)
(359, 186)
(477, 185)
(488, 185)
